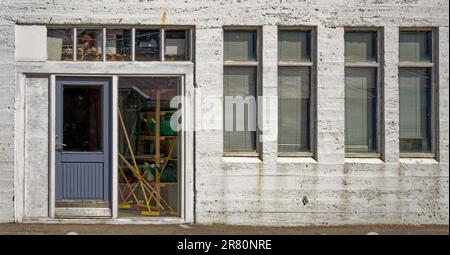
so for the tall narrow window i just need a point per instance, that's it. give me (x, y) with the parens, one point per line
(361, 93)
(239, 90)
(416, 97)
(294, 92)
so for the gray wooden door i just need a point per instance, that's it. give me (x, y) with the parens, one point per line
(83, 133)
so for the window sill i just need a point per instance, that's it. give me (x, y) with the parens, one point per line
(241, 159)
(416, 160)
(363, 160)
(296, 160)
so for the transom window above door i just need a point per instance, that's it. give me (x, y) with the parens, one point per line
(119, 44)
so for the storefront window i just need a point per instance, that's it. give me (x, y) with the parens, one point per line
(148, 147)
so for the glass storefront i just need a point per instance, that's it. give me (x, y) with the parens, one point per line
(148, 147)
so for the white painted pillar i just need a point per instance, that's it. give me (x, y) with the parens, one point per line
(390, 99)
(268, 113)
(330, 95)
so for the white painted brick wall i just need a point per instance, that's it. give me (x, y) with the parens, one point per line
(331, 190)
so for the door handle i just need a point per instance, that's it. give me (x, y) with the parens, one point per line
(60, 146)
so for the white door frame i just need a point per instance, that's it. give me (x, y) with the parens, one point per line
(184, 70)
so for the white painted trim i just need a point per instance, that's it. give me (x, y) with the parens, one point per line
(161, 44)
(133, 44)
(182, 193)
(114, 150)
(51, 151)
(104, 44)
(188, 147)
(106, 68)
(19, 149)
(74, 49)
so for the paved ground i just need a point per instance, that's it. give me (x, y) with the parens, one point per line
(43, 229)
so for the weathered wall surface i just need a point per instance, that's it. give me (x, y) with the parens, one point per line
(36, 147)
(327, 190)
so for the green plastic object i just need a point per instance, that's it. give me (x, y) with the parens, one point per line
(165, 129)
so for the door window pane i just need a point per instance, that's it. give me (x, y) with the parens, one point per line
(240, 45)
(82, 118)
(118, 45)
(60, 44)
(360, 110)
(360, 46)
(239, 81)
(415, 46)
(89, 44)
(293, 109)
(176, 45)
(293, 45)
(415, 110)
(147, 45)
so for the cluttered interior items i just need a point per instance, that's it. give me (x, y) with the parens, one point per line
(148, 147)
(116, 44)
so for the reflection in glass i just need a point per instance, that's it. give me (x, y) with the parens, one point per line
(240, 45)
(148, 147)
(60, 44)
(415, 110)
(89, 44)
(118, 45)
(415, 46)
(82, 118)
(293, 45)
(360, 110)
(147, 45)
(239, 82)
(361, 46)
(293, 109)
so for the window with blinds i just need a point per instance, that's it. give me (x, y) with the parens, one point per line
(294, 92)
(415, 81)
(361, 93)
(240, 82)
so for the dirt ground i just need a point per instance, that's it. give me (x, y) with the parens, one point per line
(63, 229)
